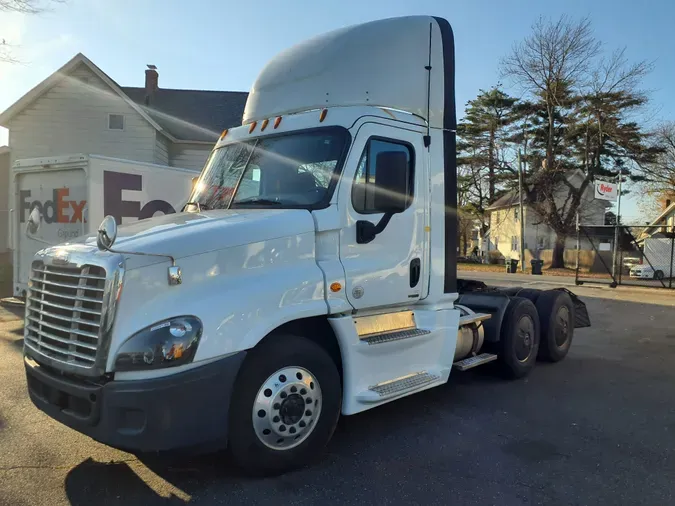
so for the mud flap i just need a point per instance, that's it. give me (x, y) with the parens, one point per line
(581, 318)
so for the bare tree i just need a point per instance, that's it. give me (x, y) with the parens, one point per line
(580, 105)
(20, 7)
(660, 174)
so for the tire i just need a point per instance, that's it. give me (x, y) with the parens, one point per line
(519, 338)
(283, 353)
(658, 275)
(556, 314)
(530, 294)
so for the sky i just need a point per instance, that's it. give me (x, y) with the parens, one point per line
(221, 45)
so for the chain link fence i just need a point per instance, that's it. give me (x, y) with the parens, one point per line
(638, 255)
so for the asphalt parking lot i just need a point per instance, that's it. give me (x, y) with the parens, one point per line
(598, 428)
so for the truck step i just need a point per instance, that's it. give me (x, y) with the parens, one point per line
(471, 362)
(398, 386)
(397, 335)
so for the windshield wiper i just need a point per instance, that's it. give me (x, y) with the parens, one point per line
(258, 200)
(200, 207)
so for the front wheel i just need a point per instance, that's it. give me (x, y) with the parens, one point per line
(658, 275)
(285, 405)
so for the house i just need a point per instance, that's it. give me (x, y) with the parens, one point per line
(80, 109)
(663, 224)
(503, 237)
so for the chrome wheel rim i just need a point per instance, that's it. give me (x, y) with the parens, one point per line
(525, 338)
(286, 408)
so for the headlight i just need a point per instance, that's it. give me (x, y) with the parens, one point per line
(169, 343)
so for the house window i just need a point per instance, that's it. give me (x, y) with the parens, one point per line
(365, 186)
(115, 122)
(514, 243)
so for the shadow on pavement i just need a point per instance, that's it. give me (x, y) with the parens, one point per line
(15, 309)
(116, 483)
(112, 483)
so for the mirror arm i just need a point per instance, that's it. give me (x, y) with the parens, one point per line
(159, 255)
(366, 231)
(37, 239)
(382, 224)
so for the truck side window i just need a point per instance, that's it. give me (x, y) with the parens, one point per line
(365, 180)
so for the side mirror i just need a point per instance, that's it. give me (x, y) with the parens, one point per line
(107, 233)
(34, 222)
(392, 183)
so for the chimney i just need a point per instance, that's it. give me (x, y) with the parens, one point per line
(151, 82)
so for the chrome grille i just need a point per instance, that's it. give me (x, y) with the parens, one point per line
(64, 310)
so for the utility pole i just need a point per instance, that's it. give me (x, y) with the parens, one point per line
(522, 216)
(616, 229)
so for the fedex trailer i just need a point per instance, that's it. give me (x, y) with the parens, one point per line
(72, 191)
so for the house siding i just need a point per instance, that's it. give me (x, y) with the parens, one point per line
(161, 149)
(189, 156)
(72, 117)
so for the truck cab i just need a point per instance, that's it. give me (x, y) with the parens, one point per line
(311, 275)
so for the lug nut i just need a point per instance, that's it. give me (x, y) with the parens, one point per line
(303, 392)
(294, 389)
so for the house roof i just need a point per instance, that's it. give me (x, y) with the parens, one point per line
(181, 115)
(192, 114)
(509, 199)
(664, 214)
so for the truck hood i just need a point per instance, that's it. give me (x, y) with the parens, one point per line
(187, 234)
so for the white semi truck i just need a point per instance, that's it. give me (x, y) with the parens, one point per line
(313, 273)
(71, 192)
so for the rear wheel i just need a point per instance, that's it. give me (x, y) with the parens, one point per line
(556, 313)
(519, 341)
(658, 275)
(285, 405)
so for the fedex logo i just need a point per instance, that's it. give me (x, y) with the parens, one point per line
(55, 210)
(113, 185)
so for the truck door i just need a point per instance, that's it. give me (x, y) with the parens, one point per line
(393, 267)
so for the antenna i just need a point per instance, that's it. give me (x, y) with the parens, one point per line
(427, 137)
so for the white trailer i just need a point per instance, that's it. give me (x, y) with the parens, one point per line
(658, 260)
(314, 275)
(73, 191)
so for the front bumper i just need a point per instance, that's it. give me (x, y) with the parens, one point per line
(179, 411)
(642, 275)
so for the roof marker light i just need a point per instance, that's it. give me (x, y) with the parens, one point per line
(264, 125)
(322, 116)
(277, 122)
(222, 136)
(252, 127)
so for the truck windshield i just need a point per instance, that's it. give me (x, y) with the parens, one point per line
(285, 171)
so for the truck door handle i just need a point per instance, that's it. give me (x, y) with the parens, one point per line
(415, 271)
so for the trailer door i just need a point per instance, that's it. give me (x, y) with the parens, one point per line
(60, 194)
